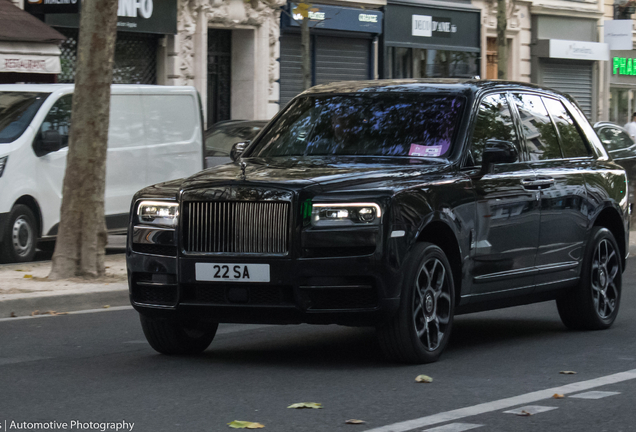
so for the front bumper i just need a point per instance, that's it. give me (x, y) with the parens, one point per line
(358, 290)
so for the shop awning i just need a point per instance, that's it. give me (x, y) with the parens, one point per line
(29, 57)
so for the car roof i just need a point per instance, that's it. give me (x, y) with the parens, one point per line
(428, 85)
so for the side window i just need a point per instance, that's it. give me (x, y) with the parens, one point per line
(541, 137)
(59, 119)
(494, 121)
(572, 142)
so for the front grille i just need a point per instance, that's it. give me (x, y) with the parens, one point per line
(272, 295)
(362, 297)
(154, 295)
(236, 227)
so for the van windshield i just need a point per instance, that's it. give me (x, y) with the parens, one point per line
(17, 109)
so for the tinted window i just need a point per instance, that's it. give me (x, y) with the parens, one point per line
(59, 118)
(220, 140)
(541, 137)
(615, 139)
(494, 121)
(572, 142)
(364, 125)
(17, 109)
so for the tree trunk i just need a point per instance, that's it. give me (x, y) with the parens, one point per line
(82, 236)
(305, 46)
(502, 40)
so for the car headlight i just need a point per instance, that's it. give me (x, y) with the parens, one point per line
(346, 214)
(3, 163)
(158, 213)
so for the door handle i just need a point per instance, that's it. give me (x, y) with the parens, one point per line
(538, 183)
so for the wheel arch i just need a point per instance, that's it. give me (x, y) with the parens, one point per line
(441, 234)
(610, 218)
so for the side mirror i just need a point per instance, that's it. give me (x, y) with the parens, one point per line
(238, 149)
(51, 141)
(498, 151)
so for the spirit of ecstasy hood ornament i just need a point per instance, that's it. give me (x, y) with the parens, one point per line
(243, 166)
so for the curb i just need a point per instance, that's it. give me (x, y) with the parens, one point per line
(64, 302)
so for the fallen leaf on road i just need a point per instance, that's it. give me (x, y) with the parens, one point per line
(558, 396)
(238, 424)
(35, 312)
(300, 405)
(60, 313)
(13, 315)
(27, 276)
(106, 306)
(567, 373)
(354, 421)
(524, 413)
(423, 379)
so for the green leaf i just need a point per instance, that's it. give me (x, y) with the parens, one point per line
(239, 424)
(301, 405)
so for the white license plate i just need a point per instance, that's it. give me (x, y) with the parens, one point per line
(213, 272)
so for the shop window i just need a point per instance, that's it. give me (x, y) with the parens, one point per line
(427, 63)
(541, 137)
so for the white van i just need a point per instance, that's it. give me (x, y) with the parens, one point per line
(155, 135)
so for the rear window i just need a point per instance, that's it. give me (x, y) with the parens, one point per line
(365, 125)
(17, 109)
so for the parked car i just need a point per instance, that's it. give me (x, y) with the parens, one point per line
(393, 204)
(622, 149)
(155, 134)
(220, 138)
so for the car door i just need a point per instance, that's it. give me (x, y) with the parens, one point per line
(507, 213)
(559, 157)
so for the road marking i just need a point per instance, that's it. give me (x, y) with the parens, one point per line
(502, 404)
(454, 427)
(87, 311)
(23, 359)
(594, 395)
(530, 410)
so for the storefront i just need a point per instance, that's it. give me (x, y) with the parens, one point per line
(431, 42)
(566, 64)
(141, 25)
(622, 86)
(29, 49)
(343, 47)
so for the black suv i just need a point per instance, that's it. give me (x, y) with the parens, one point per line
(394, 204)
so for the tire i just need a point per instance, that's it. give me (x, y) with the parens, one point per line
(20, 236)
(174, 337)
(593, 304)
(420, 330)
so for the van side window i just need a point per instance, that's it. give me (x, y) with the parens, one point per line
(58, 120)
(572, 142)
(541, 136)
(494, 122)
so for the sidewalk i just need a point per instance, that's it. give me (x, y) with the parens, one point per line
(24, 289)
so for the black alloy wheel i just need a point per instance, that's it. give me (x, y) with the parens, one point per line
(20, 237)
(593, 304)
(420, 330)
(174, 337)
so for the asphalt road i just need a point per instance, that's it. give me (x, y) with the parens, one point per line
(97, 367)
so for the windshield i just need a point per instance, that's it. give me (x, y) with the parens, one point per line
(17, 109)
(220, 142)
(364, 125)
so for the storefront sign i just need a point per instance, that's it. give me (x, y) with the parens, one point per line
(428, 27)
(623, 66)
(618, 34)
(29, 64)
(578, 50)
(141, 16)
(41, 7)
(337, 18)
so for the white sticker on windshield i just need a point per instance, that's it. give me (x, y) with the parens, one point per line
(422, 150)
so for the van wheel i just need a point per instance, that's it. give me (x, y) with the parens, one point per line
(593, 304)
(421, 328)
(175, 337)
(20, 236)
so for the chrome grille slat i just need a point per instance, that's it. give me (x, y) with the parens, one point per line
(236, 227)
